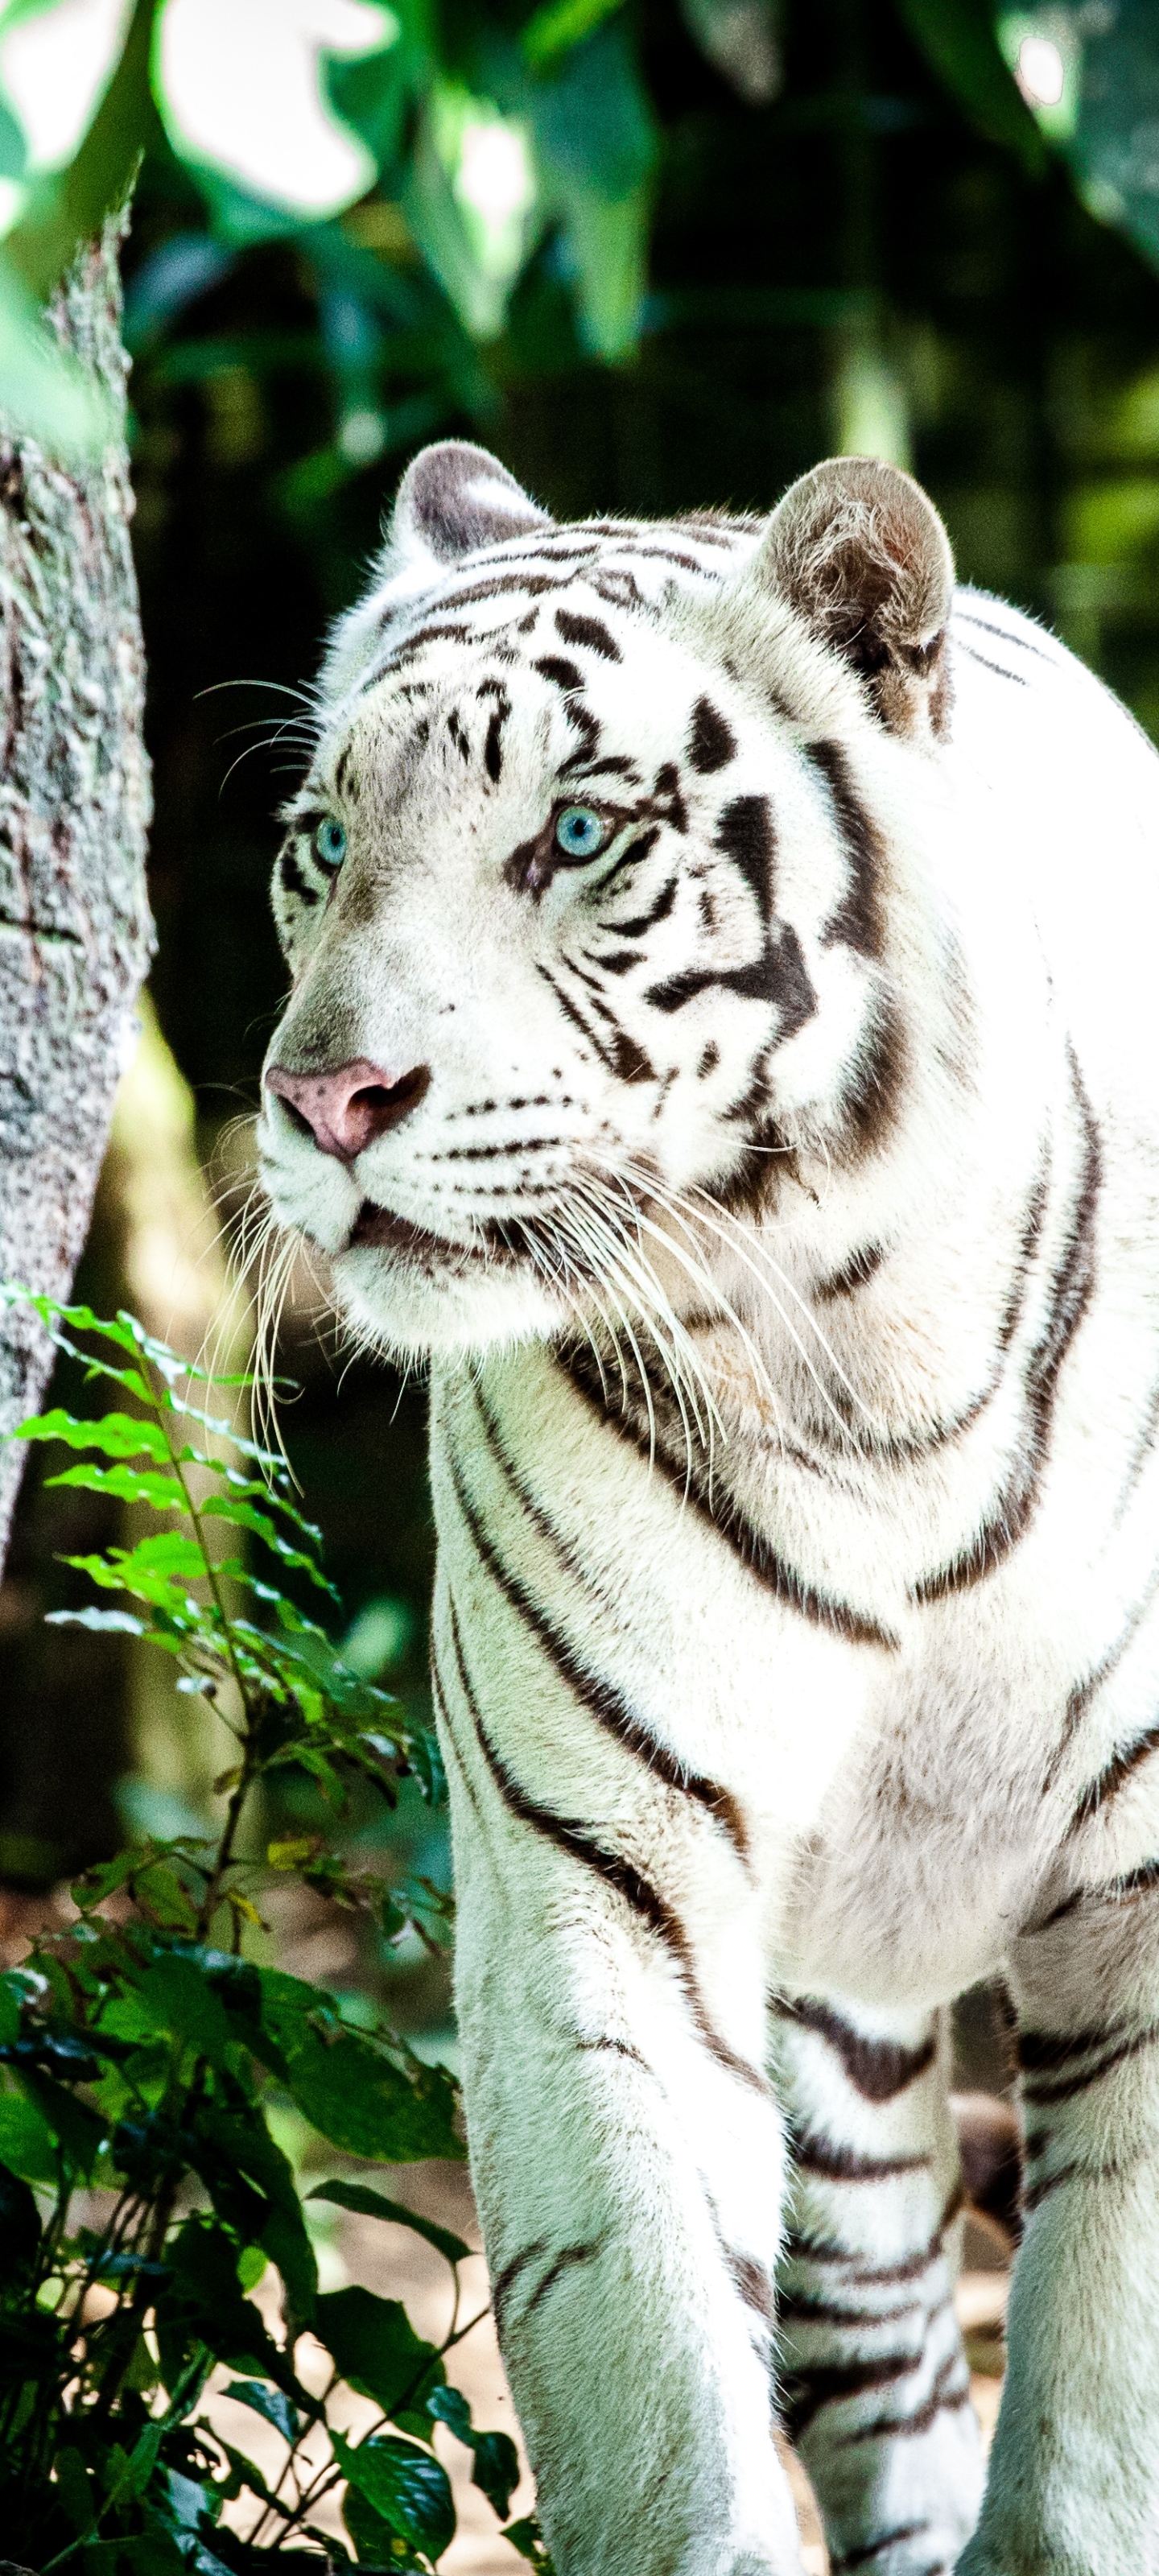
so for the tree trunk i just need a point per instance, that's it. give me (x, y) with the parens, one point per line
(75, 932)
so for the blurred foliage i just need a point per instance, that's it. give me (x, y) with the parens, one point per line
(143, 2193)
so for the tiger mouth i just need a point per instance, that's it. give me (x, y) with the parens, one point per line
(381, 1228)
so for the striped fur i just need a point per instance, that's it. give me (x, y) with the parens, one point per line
(775, 1194)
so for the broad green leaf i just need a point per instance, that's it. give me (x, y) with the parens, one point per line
(81, 2133)
(376, 2347)
(128, 1484)
(375, 2544)
(374, 2204)
(496, 2469)
(243, 2146)
(557, 25)
(177, 1995)
(115, 1435)
(368, 2106)
(407, 2486)
(270, 2403)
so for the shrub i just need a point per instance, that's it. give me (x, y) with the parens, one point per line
(142, 2190)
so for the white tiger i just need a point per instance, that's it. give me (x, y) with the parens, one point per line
(723, 1036)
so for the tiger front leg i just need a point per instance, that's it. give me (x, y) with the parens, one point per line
(628, 2157)
(1073, 2488)
(874, 2384)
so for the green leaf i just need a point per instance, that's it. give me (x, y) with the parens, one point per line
(958, 40)
(366, 2100)
(81, 2133)
(26, 2138)
(496, 2469)
(526, 2537)
(243, 1515)
(374, 2204)
(376, 2347)
(115, 1435)
(375, 2544)
(270, 2403)
(241, 2146)
(178, 1997)
(406, 2485)
(127, 1484)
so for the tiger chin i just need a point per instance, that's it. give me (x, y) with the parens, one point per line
(722, 1015)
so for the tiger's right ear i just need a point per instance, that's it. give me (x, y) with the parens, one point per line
(452, 500)
(857, 549)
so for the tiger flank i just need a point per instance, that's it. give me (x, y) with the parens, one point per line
(723, 1042)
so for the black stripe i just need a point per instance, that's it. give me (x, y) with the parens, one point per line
(619, 1053)
(878, 2069)
(1035, 2193)
(945, 2397)
(833, 2162)
(1079, 1699)
(1005, 634)
(643, 921)
(744, 831)
(1071, 1291)
(599, 1697)
(805, 2392)
(857, 922)
(293, 880)
(589, 631)
(505, 2280)
(1063, 2087)
(805, 2311)
(711, 742)
(871, 1099)
(566, 675)
(756, 1553)
(617, 1873)
(987, 665)
(850, 2260)
(868, 2550)
(1105, 1787)
(778, 976)
(564, 2261)
(860, 1267)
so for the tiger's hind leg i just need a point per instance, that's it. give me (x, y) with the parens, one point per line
(1073, 2488)
(875, 2387)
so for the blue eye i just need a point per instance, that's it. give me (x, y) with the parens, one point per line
(330, 842)
(579, 833)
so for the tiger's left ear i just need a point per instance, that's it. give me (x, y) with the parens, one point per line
(858, 550)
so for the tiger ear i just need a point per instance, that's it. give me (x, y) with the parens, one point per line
(452, 499)
(455, 498)
(858, 550)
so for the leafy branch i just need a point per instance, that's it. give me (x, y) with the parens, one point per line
(143, 2193)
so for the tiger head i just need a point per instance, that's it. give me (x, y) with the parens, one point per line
(593, 894)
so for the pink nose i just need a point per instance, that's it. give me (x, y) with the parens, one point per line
(345, 1110)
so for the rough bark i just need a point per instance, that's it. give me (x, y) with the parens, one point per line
(75, 931)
